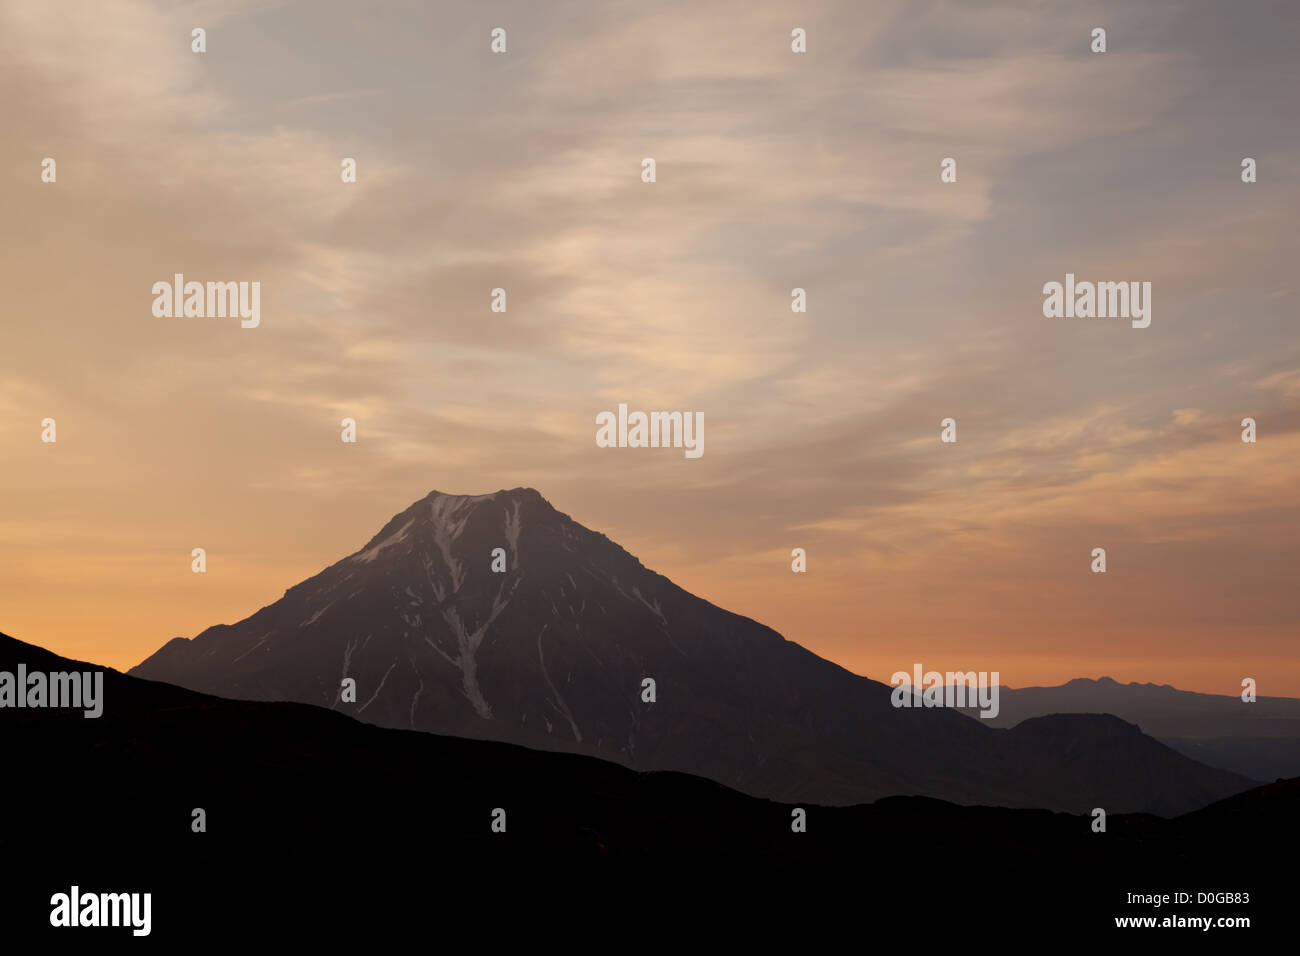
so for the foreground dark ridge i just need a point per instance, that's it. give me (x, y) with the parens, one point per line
(317, 821)
(552, 653)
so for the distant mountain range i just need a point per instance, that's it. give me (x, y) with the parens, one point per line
(551, 652)
(1260, 740)
(319, 826)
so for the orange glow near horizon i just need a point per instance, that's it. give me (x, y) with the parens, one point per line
(775, 172)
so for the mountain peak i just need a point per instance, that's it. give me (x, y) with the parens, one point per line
(1080, 682)
(513, 494)
(441, 518)
(495, 615)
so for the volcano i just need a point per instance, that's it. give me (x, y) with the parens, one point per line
(498, 617)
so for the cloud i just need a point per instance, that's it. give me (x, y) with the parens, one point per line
(775, 170)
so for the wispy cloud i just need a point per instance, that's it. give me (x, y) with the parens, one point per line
(775, 171)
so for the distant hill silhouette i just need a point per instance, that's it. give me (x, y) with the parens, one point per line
(319, 825)
(552, 653)
(1260, 740)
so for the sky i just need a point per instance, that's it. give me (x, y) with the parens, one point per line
(774, 170)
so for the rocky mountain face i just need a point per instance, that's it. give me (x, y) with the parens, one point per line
(496, 616)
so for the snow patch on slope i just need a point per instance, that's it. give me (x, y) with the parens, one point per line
(253, 648)
(315, 617)
(365, 557)
(379, 688)
(449, 518)
(513, 524)
(559, 701)
(450, 515)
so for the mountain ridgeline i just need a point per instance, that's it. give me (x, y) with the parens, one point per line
(551, 653)
(1260, 739)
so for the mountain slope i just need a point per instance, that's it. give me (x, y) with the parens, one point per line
(552, 653)
(1260, 739)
